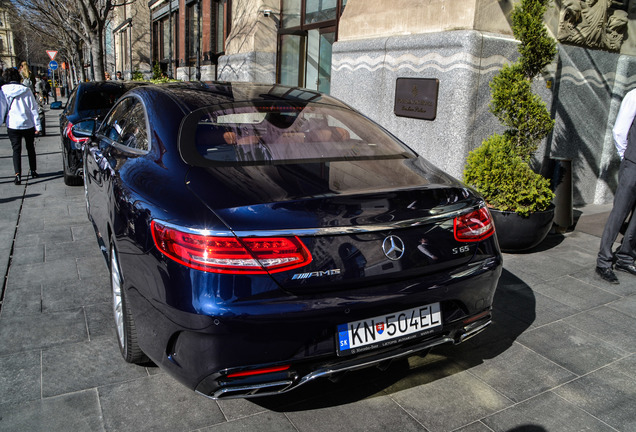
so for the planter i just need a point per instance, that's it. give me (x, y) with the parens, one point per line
(517, 233)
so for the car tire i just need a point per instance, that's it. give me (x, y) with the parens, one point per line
(124, 322)
(87, 202)
(70, 180)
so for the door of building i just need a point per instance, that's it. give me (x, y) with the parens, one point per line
(305, 58)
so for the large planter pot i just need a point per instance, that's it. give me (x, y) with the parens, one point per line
(517, 233)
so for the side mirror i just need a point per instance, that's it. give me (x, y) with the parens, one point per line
(56, 105)
(84, 128)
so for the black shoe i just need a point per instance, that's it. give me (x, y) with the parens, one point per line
(34, 174)
(629, 268)
(607, 274)
(18, 179)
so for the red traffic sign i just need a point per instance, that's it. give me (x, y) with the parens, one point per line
(51, 54)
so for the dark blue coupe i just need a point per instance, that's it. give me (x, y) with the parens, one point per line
(261, 236)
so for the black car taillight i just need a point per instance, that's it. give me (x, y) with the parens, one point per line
(474, 226)
(250, 255)
(69, 133)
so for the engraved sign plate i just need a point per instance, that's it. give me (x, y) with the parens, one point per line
(416, 98)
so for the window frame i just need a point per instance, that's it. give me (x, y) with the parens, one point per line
(302, 31)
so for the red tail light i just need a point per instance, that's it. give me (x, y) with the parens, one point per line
(257, 255)
(474, 226)
(69, 133)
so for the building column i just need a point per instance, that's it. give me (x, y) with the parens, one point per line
(250, 52)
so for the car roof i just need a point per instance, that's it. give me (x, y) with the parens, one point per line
(109, 85)
(193, 95)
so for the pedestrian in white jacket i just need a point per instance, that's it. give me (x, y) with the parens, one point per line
(19, 110)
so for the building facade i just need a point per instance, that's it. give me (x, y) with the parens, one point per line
(365, 52)
(7, 50)
(188, 37)
(127, 40)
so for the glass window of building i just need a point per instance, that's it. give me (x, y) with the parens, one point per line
(221, 25)
(192, 30)
(308, 31)
(320, 10)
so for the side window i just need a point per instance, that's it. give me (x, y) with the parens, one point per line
(126, 125)
(135, 134)
(70, 105)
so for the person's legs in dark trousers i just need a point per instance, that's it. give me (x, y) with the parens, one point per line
(623, 203)
(625, 254)
(15, 137)
(29, 141)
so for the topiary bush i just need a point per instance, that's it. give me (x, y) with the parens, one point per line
(505, 181)
(499, 168)
(524, 113)
(156, 71)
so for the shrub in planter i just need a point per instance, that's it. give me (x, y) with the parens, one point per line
(499, 168)
(504, 179)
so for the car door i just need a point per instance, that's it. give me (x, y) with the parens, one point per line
(121, 136)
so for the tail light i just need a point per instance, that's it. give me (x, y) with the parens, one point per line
(250, 255)
(69, 133)
(474, 226)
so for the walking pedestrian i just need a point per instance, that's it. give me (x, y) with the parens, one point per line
(40, 89)
(27, 77)
(19, 110)
(624, 199)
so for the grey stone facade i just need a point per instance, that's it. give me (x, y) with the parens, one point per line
(582, 89)
(589, 87)
(364, 74)
(251, 67)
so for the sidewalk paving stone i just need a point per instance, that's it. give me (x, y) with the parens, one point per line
(571, 348)
(70, 412)
(169, 409)
(546, 412)
(73, 367)
(608, 394)
(34, 332)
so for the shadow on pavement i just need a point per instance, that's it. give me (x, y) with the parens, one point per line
(17, 197)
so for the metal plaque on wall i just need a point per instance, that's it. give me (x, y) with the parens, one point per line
(416, 98)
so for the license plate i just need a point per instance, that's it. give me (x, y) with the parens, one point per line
(385, 330)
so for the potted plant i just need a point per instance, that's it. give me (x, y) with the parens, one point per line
(519, 198)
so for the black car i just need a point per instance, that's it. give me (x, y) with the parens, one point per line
(88, 100)
(261, 236)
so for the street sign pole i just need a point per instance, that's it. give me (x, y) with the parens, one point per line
(53, 65)
(53, 86)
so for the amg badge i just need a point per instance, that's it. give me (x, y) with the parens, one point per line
(316, 274)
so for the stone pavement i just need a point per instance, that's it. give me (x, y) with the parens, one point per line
(559, 357)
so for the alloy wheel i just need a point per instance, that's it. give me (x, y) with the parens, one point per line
(115, 281)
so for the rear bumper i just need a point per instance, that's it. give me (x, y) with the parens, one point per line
(300, 331)
(276, 383)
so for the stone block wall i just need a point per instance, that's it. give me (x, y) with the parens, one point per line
(589, 87)
(583, 89)
(364, 73)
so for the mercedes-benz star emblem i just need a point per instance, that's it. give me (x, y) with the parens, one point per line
(393, 247)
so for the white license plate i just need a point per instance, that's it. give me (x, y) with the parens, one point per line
(389, 329)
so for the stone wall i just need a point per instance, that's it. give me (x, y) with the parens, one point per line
(364, 73)
(251, 44)
(589, 87)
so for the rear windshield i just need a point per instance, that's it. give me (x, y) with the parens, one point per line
(271, 133)
(96, 100)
